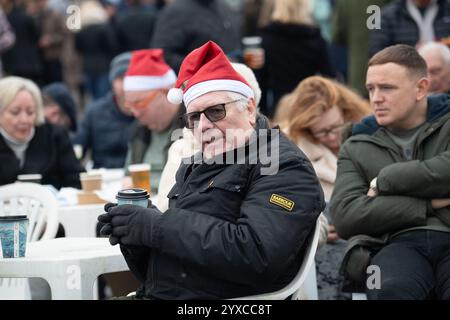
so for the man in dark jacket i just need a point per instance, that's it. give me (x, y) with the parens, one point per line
(184, 25)
(411, 22)
(135, 25)
(59, 106)
(391, 189)
(107, 124)
(235, 227)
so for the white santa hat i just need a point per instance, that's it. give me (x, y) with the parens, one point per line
(204, 70)
(148, 71)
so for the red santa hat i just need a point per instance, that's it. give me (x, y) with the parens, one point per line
(148, 71)
(204, 70)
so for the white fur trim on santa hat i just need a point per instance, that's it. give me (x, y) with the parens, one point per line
(216, 85)
(136, 83)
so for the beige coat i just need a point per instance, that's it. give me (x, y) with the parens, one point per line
(324, 162)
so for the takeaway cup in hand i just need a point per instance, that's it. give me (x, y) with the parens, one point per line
(13, 236)
(135, 196)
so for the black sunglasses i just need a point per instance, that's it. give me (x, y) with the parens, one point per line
(213, 113)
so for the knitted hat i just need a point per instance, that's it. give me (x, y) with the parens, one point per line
(60, 94)
(204, 70)
(148, 71)
(119, 65)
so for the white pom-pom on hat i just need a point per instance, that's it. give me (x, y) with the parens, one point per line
(175, 95)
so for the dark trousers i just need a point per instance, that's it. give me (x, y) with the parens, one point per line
(414, 266)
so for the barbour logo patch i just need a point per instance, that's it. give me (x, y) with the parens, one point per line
(282, 202)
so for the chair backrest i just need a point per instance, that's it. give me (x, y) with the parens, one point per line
(299, 279)
(36, 202)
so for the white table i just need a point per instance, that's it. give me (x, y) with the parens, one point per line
(80, 220)
(69, 265)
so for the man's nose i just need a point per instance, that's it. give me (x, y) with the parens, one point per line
(204, 123)
(377, 96)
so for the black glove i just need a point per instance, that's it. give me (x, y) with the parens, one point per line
(105, 220)
(133, 225)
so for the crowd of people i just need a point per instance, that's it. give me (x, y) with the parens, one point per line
(354, 120)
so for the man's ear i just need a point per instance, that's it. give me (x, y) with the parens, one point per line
(251, 109)
(422, 88)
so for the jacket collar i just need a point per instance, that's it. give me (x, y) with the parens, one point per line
(438, 106)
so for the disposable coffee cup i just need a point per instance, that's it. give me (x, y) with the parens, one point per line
(34, 178)
(140, 175)
(135, 196)
(13, 236)
(90, 182)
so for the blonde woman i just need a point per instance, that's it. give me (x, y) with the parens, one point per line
(27, 144)
(294, 49)
(317, 113)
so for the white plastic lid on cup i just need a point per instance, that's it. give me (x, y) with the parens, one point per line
(139, 167)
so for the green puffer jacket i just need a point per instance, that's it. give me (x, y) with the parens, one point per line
(405, 187)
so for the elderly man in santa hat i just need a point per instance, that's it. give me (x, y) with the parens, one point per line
(235, 227)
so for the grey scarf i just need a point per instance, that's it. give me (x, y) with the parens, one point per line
(425, 22)
(18, 147)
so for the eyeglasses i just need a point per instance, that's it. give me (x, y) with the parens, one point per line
(325, 133)
(213, 113)
(143, 103)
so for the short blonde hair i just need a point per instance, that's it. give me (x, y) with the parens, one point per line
(11, 86)
(292, 11)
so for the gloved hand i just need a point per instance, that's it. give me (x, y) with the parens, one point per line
(105, 220)
(133, 225)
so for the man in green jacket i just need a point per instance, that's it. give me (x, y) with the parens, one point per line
(392, 188)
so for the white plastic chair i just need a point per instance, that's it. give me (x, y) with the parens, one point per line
(41, 207)
(304, 285)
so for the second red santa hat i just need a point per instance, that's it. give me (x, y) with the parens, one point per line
(148, 71)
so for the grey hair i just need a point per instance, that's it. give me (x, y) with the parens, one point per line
(443, 50)
(249, 76)
(11, 86)
(242, 104)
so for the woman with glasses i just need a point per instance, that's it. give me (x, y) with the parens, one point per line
(316, 115)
